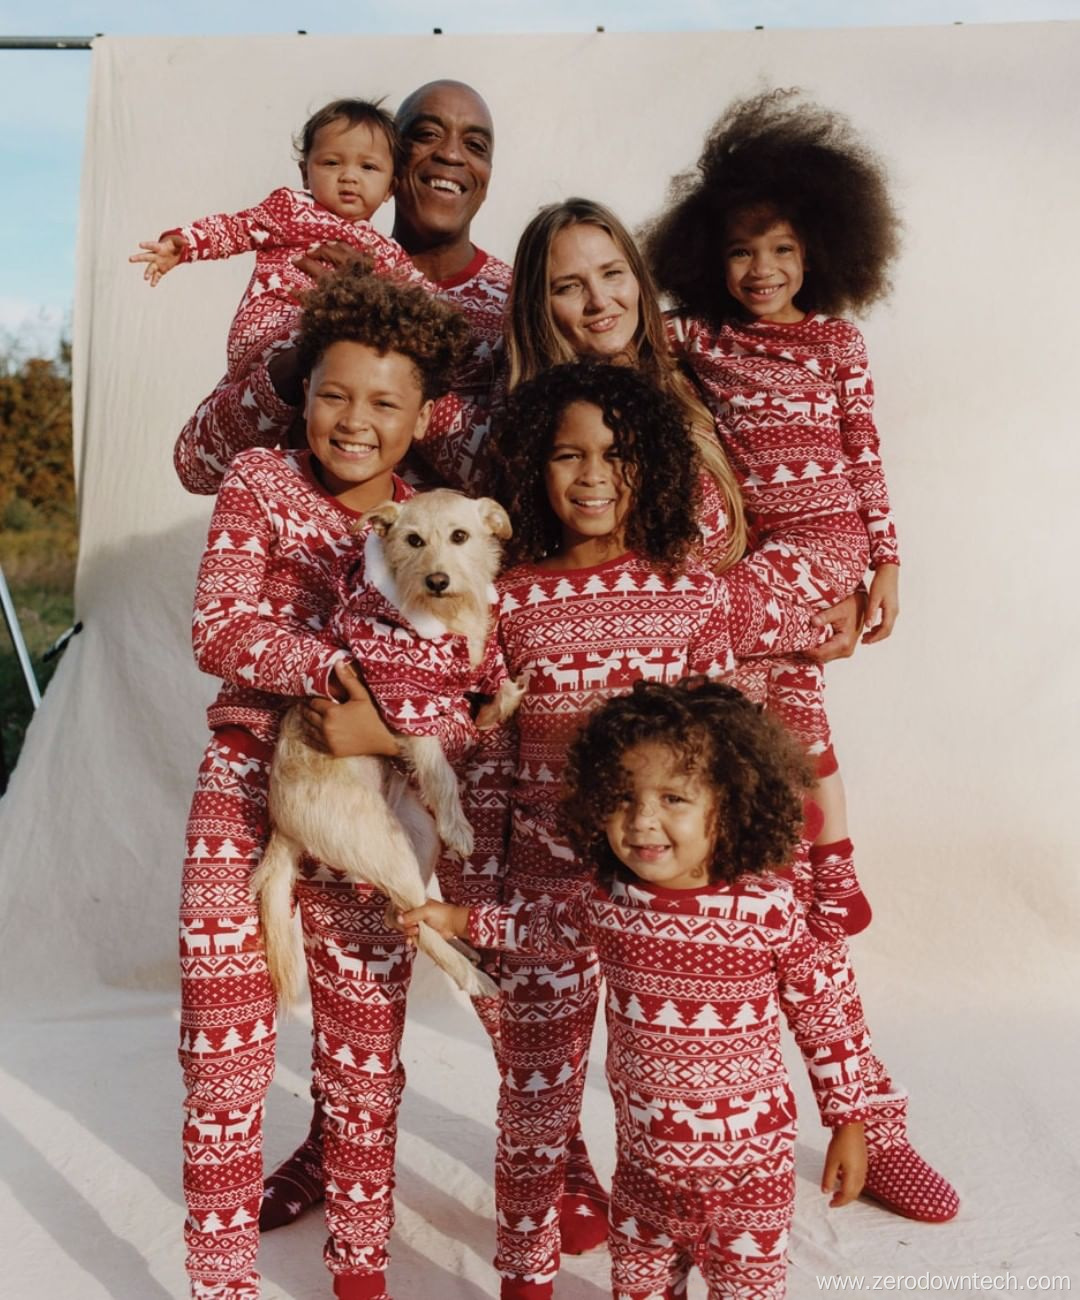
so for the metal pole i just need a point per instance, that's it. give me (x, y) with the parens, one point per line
(15, 631)
(46, 42)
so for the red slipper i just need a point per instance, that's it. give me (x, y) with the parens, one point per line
(897, 1177)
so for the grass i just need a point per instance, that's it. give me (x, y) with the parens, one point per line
(39, 565)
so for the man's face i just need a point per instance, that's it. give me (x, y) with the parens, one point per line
(448, 143)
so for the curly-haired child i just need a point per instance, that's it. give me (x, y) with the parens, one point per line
(596, 468)
(786, 222)
(377, 353)
(684, 796)
(347, 153)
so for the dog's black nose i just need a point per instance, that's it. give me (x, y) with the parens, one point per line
(437, 582)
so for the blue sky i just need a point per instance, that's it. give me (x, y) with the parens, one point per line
(43, 95)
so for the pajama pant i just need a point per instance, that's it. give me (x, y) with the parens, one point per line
(809, 566)
(258, 321)
(359, 974)
(547, 1015)
(734, 1228)
(792, 568)
(792, 689)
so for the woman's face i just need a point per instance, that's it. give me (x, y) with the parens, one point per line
(594, 293)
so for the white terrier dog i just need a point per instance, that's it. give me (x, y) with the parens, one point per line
(418, 621)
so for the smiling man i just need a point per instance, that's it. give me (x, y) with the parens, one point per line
(449, 142)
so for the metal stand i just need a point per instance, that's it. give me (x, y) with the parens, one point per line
(15, 632)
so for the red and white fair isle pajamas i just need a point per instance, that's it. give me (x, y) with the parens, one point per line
(265, 595)
(705, 1116)
(579, 636)
(245, 411)
(794, 410)
(284, 225)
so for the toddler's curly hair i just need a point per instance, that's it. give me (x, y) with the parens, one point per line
(651, 436)
(354, 306)
(769, 158)
(756, 771)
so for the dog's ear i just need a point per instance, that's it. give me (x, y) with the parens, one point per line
(495, 518)
(381, 518)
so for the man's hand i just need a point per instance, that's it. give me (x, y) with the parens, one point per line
(327, 259)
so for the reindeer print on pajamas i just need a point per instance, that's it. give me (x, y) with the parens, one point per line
(578, 636)
(264, 598)
(794, 409)
(704, 1111)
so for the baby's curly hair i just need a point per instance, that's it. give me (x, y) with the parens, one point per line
(387, 315)
(651, 435)
(755, 769)
(769, 158)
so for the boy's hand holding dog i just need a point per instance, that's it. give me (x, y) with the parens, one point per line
(350, 724)
(845, 1164)
(446, 919)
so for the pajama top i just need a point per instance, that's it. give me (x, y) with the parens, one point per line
(418, 671)
(794, 406)
(696, 981)
(285, 224)
(246, 411)
(578, 637)
(266, 588)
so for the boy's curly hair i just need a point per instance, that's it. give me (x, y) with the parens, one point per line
(650, 431)
(355, 306)
(757, 772)
(769, 158)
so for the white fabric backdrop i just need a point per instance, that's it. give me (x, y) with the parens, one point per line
(957, 737)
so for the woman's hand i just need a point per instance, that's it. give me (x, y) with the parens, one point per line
(350, 725)
(845, 1165)
(846, 621)
(883, 608)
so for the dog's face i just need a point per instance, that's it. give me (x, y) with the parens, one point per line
(442, 549)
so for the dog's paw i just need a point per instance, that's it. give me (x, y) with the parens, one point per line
(503, 705)
(457, 836)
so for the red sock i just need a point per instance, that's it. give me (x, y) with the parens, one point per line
(839, 907)
(297, 1184)
(583, 1210)
(516, 1288)
(360, 1286)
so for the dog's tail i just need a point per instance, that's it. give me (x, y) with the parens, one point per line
(272, 886)
(461, 970)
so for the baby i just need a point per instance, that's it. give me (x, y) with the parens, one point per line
(347, 153)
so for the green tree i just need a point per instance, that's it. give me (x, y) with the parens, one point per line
(37, 521)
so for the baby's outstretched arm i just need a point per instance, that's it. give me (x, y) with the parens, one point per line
(160, 256)
(883, 607)
(451, 921)
(845, 1165)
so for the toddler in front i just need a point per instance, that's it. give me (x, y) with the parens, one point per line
(684, 796)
